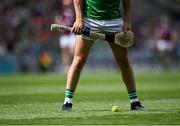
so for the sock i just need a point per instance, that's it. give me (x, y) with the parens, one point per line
(133, 96)
(69, 96)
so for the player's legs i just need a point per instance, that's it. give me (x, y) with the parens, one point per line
(82, 48)
(121, 56)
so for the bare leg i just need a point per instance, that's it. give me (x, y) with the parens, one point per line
(121, 56)
(82, 48)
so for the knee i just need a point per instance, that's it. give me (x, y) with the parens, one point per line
(79, 62)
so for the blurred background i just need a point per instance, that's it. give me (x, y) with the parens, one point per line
(28, 46)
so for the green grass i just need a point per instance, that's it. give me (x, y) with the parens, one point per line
(36, 99)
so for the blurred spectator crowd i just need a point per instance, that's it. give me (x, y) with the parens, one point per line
(157, 30)
(24, 31)
(25, 36)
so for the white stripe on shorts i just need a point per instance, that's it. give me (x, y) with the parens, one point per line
(104, 26)
(107, 26)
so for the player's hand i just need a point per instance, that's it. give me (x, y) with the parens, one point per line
(77, 27)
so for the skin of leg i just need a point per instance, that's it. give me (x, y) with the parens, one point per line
(82, 48)
(121, 56)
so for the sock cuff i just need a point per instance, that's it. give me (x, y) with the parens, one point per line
(131, 92)
(69, 93)
(70, 90)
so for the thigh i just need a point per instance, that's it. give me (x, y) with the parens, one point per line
(82, 46)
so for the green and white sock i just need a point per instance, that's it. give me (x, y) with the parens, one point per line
(68, 96)
(133, 96)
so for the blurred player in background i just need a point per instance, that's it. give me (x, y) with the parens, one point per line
(67, 39)
(166, 42)
(105, 17)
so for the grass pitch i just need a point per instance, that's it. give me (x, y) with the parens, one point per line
(37, 99)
